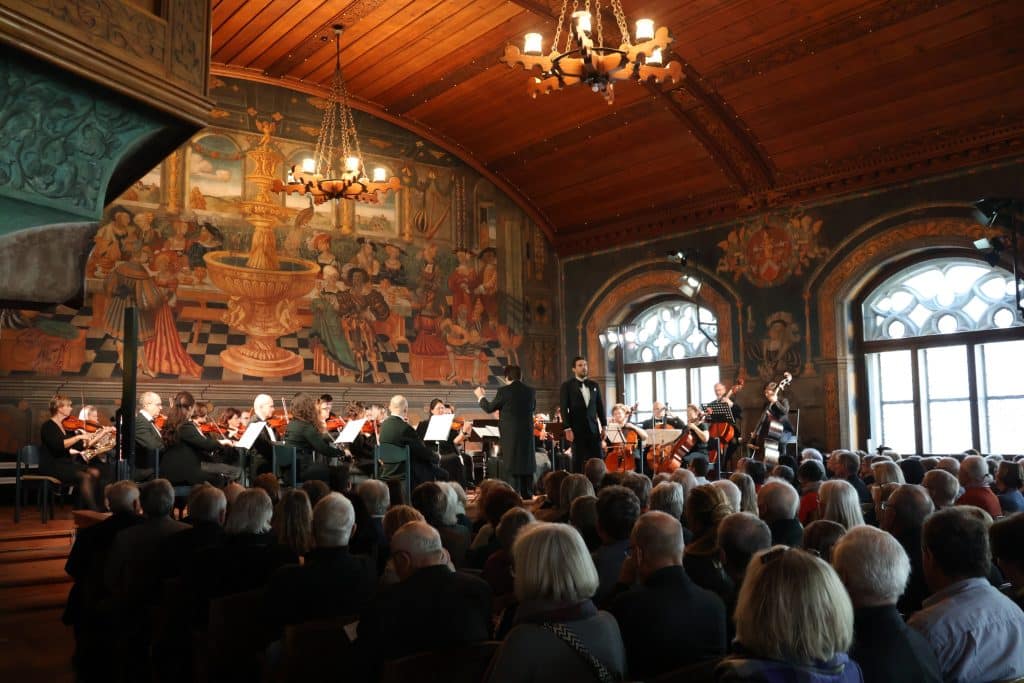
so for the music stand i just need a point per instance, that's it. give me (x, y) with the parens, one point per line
(718, 411)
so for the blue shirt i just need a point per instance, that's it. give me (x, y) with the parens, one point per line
(976, 631)
(1011, 501)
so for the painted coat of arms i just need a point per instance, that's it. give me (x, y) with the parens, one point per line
(770, 249)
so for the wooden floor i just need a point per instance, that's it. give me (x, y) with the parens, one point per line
(34, 644)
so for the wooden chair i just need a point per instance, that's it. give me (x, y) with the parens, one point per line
(28, 460)
(391, 456)
(460, 664)
(317, 650)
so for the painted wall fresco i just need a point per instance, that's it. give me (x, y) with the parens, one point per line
(439, 283)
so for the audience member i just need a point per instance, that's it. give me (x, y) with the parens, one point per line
(913, 470)
(887, 472)
(665, 604)
(942, 486)
(497, 570)
(757, 471)
(431, 499)
(552, 485)
(794, 622)
(595, 469)
(976, 631)
(810, 477)
(207, 510)
(949, 464)
(500, 500)
(845, 464)
(1007, 538)
(640, 485)
(555, 619)
(811, 454)
(1009, 482)
(699, 466)
(839, 503)
(331, 582)
(820, 536)
(461, 505)
(903, 517)
(667, 497)
(875, 568)
(731, 491)
(777, 505)
(269, 483)
(705, 508)
(618, 508)
(571, 488)
(748, 494)
(740, 535)
(660, 477)
(973, 478)
(784, 472)
(686, 479)
(316, 490)
(432, 607)
(292, 522)
(583, 517)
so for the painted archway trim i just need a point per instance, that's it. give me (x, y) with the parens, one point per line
(411, 125)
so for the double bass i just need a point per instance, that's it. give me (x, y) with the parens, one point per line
(620, 456)
(764, 440)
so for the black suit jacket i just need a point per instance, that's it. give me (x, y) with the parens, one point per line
(433, 609)
(787, 532)
(668, 622)
(332, 583)
(516, 401)
(88, 559)
(889, 650)
(583, 418)
(147, 440)
(178, 550)
(182, 462)
(394, 430)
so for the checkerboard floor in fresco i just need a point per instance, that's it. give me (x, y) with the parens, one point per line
(101, 354)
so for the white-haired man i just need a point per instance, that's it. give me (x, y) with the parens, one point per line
(778, 505)
(397, 431)
(974, 478)
(147, 435)
(262, 409)
(874, 568)
(332, 582)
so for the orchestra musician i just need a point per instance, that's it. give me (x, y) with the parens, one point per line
(776, 409)
(661, 418)
(698, 427)
(64, 448)
(230, 422)
(148, 438)
(362, 448)
(190, 456)
(620, 438)
(724, 395)
(306, 432)
(583, 413)
(449, 448)
(515, 402)
(262, 410)
(397, 431)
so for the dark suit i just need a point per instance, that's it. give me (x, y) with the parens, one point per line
(787, 532)
(307, 440)
(332, 583)
(396, 431)
(433, 609)
(585, 419)
(177, 551)
(147, 440)
(889, 650)
(182, 463)
(668, 622)
(516, 401)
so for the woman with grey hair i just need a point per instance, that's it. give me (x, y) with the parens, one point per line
(667, 497)
(558, 634)
(794, 621)
(748, 492)
(840, 503)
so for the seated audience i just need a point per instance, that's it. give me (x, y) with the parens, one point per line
(777, 505)
(666, 603)
(748, 494)
(376, 499)
(583, 518)
(686, 479)
(431, 499)
(497, 570)
(571, 488)
(430, 608)
(973, 478)
(595, 469)
(1007, 538)
(731, 491)
(292, 522)
(757, 472)
(887, 472)
(821, 536)
(705, 508)
(499, 501)
(207, 511)
(552, 485)
(331, 582)
(394, 519)
(845, 464)
(556, 622)
(270, 484)
(667, 497)
(874, 568)
(784, 472)
(1009, 482)
(618, 508)
(810, 476)
(740, 535)
(913, 470)
(976, 631)
(903, 517)
(839, 503)
(794, 622)
(949, 464)
(315, 489)
(942, 487)
(640, 485)
(812, 454)
(699, 466)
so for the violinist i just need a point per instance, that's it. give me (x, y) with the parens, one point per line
(262, 410)
(230, 422)
(306, 432)
(362, 448)
(147, 435)
(395, 430)
(63, 445)
(449, 448)
(190, 457)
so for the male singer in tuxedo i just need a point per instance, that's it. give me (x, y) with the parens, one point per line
(582, 414)
(516, 401)
(147, 435)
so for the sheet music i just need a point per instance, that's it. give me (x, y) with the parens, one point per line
(487, 432)
(439, 427)
(660, 437)
(350, 431)
(252, 432)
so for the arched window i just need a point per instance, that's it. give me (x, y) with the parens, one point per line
(943, 348)
(668, 353)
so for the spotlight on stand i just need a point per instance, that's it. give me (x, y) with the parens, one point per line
(689, 279)
(1008, 213)
(992, 248)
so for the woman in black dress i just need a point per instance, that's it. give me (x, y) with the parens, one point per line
(63, 448)
(306, 432)
(191, 457)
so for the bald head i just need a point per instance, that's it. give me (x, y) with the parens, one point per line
(906, 509)
(777, 500)
(658, 542)
(398, 405)
(263, 406)
(415, 546)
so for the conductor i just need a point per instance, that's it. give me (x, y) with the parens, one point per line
(516, 403)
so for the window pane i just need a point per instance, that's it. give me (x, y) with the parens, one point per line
(672, 389)
(702, 384)
(949, 425)
(895, 376)
(1003, 368)
(945, 371)
(898, 427)
(639, 389)
(1005, 426)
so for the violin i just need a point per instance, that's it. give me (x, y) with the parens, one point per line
(334, 423)
(278, 423)
(620, 457)
(159, 421)
(73, 424)
(540, 428)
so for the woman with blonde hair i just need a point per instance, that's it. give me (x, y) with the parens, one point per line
(748, 494)
(887, 472)
(558, 634)
(705, 507)
(794, 621)
(840, 503)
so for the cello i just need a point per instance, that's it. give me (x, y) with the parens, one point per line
(723, 433)
(620, 456)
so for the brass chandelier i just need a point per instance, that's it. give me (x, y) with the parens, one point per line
(584, 57)
(336, 169)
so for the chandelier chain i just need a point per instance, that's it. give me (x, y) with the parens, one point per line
(620, 19)
(558, 26)
(600, 24)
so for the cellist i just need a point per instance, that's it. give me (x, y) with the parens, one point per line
(661, 418)
(621, 443)
(697, 432)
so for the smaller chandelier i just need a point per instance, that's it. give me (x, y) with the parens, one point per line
(585, 58)
(336, 169)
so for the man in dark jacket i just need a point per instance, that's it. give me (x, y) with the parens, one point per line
(778, 504)
(397, 431)
(583, 414)
(516, 402)
(905, 511)
(874, 569)
(665, 604)
(431, 608)
(207, 508)
(147, 435)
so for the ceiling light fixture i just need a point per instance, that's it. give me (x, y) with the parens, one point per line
(336, 169)
(584, 57)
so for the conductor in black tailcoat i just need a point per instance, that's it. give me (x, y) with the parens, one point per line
(583, 414)
(516, 401)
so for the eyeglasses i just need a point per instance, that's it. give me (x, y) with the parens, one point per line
(774, 554)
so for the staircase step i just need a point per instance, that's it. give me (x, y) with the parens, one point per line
(15, 555)
(33, 573)
(18, 599)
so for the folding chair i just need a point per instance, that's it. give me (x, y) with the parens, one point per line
(28, 461)
(391, 456)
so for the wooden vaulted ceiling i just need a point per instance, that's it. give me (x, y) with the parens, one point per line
(783, 100)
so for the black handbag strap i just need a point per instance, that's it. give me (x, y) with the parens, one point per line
(572, 640)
